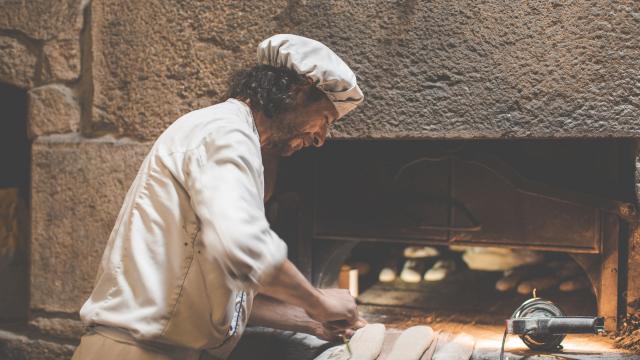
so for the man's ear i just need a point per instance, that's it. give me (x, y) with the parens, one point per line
(310, 81)
(302, 92)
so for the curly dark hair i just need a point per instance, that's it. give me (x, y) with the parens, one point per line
(272, 90)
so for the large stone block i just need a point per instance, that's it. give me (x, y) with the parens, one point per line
(61, 60)
(77, 189)
(20, 347)
(53, 109)
(42, 19)
(58, 328)
(17, 63)
(429, 69)
(155, 60)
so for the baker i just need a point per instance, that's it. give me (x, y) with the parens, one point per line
(191, 259)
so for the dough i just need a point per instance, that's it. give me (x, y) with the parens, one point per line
(365, 344)
(428, 355)
(412, 271)
(420, 252)
(575, 284)
(390, 270)
(440, 270)
(499, 259)
(412, 343)
(459, 348)
(540, 283)
(390, 337)
(387, 274)
(513, 277)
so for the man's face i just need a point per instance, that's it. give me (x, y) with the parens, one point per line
(306, 125)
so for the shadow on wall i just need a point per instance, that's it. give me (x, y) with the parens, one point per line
(14, 200)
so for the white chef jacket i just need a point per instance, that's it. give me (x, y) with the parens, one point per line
(191, 242)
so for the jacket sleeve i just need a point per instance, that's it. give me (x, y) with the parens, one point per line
(225, 183)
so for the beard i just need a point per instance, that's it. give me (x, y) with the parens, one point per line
(282, 137)
(283, 146)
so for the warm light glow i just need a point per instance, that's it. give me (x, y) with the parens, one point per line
(573, 344)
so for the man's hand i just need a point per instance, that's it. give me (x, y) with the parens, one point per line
(288, 285)
(333, 331)
(275, 314)
(334, 305)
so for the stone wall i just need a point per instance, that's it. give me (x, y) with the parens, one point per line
(434, 69)
(78, 182)
(104, 78)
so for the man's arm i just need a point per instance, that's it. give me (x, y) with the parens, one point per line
(223, 179)
(288, 285)
(272, 313)
(223, 183)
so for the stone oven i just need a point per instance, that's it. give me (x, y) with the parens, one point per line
(506, 123)
(570, 196)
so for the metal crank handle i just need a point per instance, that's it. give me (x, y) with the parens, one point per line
(556, 325)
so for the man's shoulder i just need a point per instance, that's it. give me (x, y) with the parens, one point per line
(198, 126)
(229, 114)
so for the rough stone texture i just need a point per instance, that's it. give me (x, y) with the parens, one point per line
(487, 69)
(77, 191)
(61, 60)
(17, 63)
(19, 347)
(53, 109)
(428, 68)
(155, 60)
(42, 19)
(58, 327)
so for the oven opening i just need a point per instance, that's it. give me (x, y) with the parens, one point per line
(405, 285)
(457, 234)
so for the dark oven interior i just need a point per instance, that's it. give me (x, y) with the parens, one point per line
(358, 205)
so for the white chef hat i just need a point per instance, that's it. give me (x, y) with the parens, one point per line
(315, 60)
